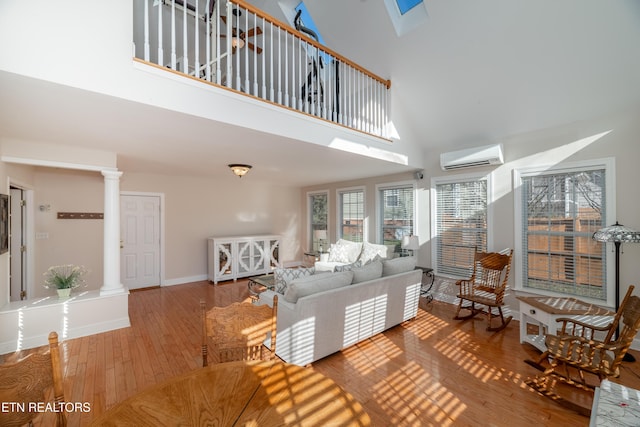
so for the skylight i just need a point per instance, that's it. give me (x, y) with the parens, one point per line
(406, 15)
(407, 5)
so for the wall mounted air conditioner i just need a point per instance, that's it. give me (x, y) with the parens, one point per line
(478, 156)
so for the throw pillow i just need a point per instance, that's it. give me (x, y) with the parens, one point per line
(305, 286)
(370, 251)
(398, 265)
(371, 271)
(348, 267)
(345, 251)
(283, 276)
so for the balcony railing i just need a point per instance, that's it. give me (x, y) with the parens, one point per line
(239, 47)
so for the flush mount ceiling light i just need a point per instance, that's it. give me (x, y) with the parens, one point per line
(239, 170)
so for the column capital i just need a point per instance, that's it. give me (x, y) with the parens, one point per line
(111, 174)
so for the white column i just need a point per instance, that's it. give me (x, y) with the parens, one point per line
(112, 284)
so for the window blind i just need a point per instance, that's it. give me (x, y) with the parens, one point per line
(396, 212)
(561, 211)
(352, 215)
(461, 225)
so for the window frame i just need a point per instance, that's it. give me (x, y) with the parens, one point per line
(381, 201)
(450, 179)
(339, 193)
(310, 244)
(608, 164)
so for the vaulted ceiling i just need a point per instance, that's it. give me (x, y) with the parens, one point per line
(473, 73)
(477, 72)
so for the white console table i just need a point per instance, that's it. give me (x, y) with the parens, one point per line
(542, 313)
(230, 258)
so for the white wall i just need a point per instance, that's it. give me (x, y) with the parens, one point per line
(573, 142)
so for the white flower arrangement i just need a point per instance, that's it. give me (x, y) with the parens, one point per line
(65, 276)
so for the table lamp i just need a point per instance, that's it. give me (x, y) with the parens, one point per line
(320, 235)
(410, 243)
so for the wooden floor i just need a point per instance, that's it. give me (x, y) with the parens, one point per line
(432, 371)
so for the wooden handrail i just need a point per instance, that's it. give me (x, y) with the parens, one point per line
(292, 31)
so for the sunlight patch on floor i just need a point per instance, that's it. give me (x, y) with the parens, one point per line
(408, 398)
(372, 354)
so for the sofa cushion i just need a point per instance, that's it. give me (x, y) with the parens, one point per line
(371, 271)
(398, 265)
(370, 251)
(348, 267)
(305, 286)
(283, 276)
(345, 251)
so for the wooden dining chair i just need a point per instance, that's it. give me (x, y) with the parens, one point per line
(27, 381)
(240, 331)
(486, 287)
(576, 351)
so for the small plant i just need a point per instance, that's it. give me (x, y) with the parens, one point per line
(65, 276)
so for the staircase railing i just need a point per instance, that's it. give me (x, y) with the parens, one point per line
(239, 47)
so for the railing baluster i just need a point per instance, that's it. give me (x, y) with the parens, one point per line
(272, 52)
(255, 57)
(147, 45)
(207, 37)
(160, 50)
(247, 84)
(185, 43)
(286, 102)
(264, 54)
(305, 76)
(279, 67)
(174, 56)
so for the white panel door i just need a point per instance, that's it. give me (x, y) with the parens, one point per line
(140, 244)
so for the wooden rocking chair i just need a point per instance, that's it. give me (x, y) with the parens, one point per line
(239, 331)
(575, 351)
(486, 287)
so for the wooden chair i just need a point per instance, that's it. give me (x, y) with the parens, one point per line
(575, 351)
(486, 287)
(239, 331)
(26, 381)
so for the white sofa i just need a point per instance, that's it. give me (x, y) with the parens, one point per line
(323, 321)
(345, 252)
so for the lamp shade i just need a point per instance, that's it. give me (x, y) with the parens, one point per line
(617, 233)
(320, 234)
(410, 242)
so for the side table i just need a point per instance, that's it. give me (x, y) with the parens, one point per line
(542, 312)
(425, 290)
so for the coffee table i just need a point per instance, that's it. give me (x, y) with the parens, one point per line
(259, 284)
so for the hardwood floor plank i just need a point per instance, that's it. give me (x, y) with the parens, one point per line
(431, 371)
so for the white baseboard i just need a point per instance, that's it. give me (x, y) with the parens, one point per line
(183, 280)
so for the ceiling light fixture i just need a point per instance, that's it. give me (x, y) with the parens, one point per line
(237, 42)
(239, 170)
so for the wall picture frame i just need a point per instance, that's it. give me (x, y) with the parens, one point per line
(4, 223)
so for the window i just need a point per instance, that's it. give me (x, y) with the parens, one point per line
(459, 223)
(559, 210)
(318, 219)
(406, 15)
(351, 214)
(406, 5)
(396, 213)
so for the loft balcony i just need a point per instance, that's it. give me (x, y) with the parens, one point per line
(238, 47)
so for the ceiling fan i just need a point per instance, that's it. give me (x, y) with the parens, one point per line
(239, 36)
